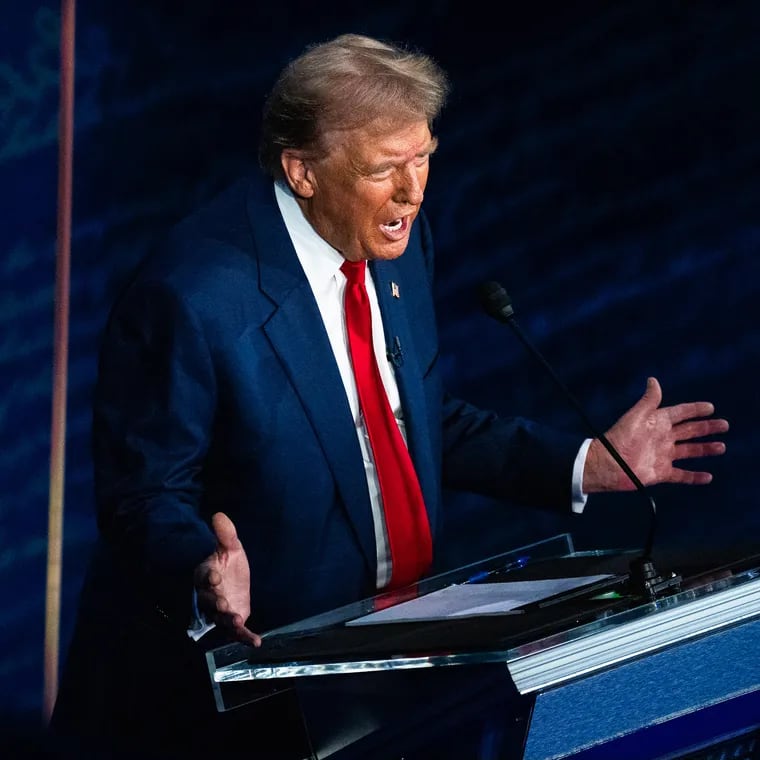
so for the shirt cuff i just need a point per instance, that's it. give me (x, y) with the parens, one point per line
(198, 626)
(579, 498)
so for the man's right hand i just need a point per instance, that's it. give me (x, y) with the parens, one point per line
(223, 583)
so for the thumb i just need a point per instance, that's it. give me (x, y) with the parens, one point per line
(653, 394)
(224, 528)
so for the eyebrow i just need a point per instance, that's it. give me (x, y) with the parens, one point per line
(429, 149)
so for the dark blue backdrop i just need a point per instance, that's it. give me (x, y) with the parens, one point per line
(601, 162)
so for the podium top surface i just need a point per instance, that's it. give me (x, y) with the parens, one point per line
(592, 622)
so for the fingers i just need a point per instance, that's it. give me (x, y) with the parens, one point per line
(248, 637)
(236, 628)
(686, 431)
(213, 578)
(218, 610)
(689, 478)
(699, 449)
(206, 577)
(680, 413)
(222, 605)
(208, 581)
(690, 411)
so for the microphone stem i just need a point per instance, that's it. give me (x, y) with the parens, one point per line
(512, 322)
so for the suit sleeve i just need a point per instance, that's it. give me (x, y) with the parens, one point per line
(510, 458)
(152, 415)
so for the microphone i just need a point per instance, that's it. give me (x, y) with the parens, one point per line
(395, 355)
(644, 580)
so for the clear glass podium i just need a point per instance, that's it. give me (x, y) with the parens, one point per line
(507, 641)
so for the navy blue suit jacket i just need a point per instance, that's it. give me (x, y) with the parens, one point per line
(218, 391)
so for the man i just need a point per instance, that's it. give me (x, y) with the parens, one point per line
(238, 477)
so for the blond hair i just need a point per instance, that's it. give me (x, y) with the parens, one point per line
(346, 83)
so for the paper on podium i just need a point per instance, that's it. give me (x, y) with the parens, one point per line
(475, 599)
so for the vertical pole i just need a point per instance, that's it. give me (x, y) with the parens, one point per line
(60, 357)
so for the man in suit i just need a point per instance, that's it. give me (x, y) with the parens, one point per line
(238, 484)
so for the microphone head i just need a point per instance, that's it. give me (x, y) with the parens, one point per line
(496, 301)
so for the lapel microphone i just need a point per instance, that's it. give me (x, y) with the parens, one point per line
(643, 580)
(394, 354)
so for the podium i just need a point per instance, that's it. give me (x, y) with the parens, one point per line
(540, 653)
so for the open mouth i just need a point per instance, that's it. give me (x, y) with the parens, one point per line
(396, 229)
(394, 226)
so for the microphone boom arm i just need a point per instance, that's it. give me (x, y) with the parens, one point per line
(644, 580)
(512, 322)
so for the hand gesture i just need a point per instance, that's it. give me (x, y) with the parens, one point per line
(223, 583)
(651, 438)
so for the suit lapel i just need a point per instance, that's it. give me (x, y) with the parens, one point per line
(298, 337)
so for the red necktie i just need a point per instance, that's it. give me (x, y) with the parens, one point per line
(405, 516)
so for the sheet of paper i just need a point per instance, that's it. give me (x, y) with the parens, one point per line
(471, 599)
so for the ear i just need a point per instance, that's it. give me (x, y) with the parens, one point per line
(297, 173)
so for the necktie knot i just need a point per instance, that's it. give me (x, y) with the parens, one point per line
(354, 271)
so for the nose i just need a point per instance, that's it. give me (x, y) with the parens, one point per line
(411, 186)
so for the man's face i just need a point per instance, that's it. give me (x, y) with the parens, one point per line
(365, 194)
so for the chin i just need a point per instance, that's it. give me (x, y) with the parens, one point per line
(390, 251)
(390, 255)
